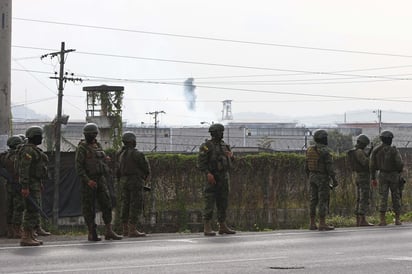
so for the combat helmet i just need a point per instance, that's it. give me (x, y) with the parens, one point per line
(128, 136)
(34, 131)
(90, 128)
(363, 139)
(14, 141)
(386, 134)
(216, 127)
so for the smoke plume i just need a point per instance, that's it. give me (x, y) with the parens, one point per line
(189, 90)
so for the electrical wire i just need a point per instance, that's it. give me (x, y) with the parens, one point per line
(214, 38)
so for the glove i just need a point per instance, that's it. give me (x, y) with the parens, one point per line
(25, 192)
(374, 183)
(92, 184)
(211, 178)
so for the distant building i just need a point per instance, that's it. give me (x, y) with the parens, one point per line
(243, 137)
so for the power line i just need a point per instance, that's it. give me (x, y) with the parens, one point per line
(258, 82)
(30, 72)
(236, 66)
(225, 65)
(215, 38)
(269, 92)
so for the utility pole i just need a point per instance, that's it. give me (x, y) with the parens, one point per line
(5, 95)
(379, 113)
(155, 113)
(62, 79)
(5, 71)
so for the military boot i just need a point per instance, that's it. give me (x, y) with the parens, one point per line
(363, 222)
(323, 226)
(17, 231)
(41, 232)
(92, 236)
(110, 234)
(382, 219)
(397, 219)
(125, 229)
(133, 232)
(34, 237)
(10, 231)
(26, 239)
(224, 229)
(312, 224)
(207, 230)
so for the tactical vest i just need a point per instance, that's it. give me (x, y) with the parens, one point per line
(217, 159)
(386, 159)
(313, 160)
(39, 160)
(8, 159)
(354, 163)
(127, 164)
(95, 161)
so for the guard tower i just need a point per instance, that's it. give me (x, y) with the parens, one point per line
(104, 107)
(227, 110)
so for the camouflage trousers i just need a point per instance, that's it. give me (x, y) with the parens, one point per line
(319, 193)
(132, 199)
(363, 189)
(31, 216)
(99, 196)
(389, 181)
(15, 207)
(216, 195)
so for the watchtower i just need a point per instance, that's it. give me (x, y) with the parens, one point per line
(104, 107)
(227, 110)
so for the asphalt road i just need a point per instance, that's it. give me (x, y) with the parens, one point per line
(344, 250)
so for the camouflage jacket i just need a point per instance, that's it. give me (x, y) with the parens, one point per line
(8, 161)
(213, 157)
(385, 158)
(133, 162)
(359, 160)
(32, 164)
(90, 161)
(319, 160)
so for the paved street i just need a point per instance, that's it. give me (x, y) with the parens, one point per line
(345, 250)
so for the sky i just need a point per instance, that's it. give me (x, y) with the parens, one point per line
(277, 59)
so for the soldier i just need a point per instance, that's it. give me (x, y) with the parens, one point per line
(15, 206)
(360, 165)
(32, 165)
(92, 168)
(134, 170)
(214, 161)
(388, 161)
(319, 169)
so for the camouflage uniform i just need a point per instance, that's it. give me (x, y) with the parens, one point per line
(360, 165)
(214, 159)
(91, 167)
(32, 170)
(388, 161)
(15, 205)
(319, 168)
(134, 169)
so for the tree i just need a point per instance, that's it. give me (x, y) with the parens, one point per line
(339, 142)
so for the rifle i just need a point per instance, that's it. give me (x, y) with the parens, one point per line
(17, 188)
